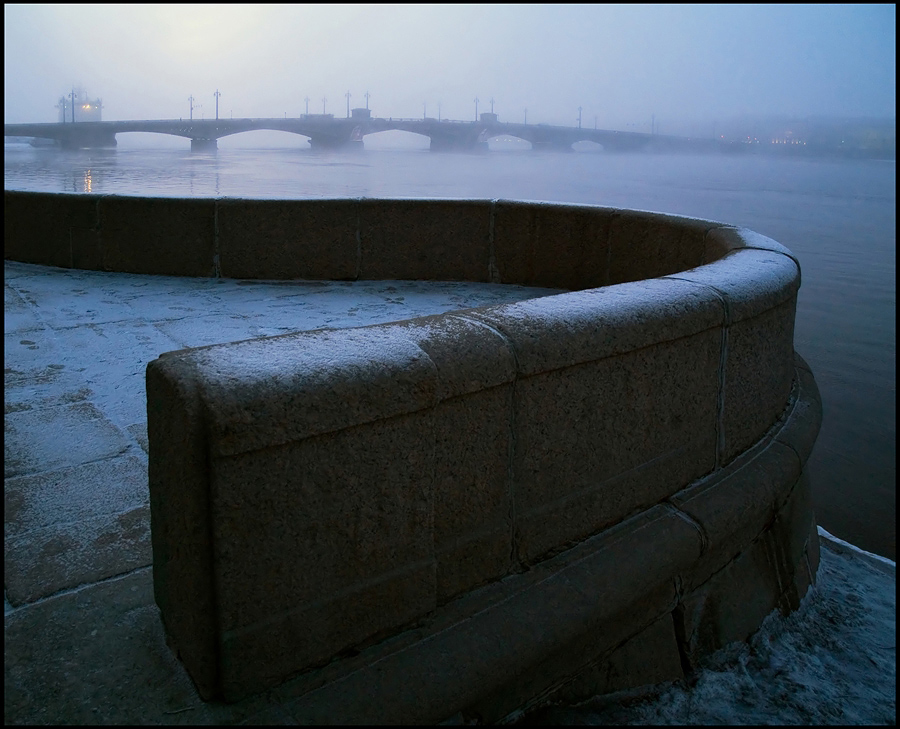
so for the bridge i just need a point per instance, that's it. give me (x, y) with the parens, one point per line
(325, 131)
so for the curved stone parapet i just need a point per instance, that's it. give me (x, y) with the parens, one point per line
(469, 514)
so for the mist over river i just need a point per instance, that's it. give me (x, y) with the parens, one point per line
(838, 216)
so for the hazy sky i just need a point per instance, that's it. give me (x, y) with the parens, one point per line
(621, 64)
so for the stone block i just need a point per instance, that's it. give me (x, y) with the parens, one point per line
(307, 521)
(750, 281)
(287, 239)
(559, 246)
(266, 392)
(759, 373)
(473, 510)
(54, 437)
(437, 240)
(607, 652)
(725, 239)
(173, 236)
(794, 514)
(650, 657)
(556, 332)
(473, 659)
(802, 426)
(650, 245)
(181, 530)
(731, 605)
(42, 227)
(596, 442)
(736, 505)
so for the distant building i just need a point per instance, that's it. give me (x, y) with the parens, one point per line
(86, 109)
(360, 114)
(488, 117)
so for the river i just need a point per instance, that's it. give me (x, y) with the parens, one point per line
(837, 216)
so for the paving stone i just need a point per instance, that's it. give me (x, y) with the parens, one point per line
(99, 655)
(75, 525)
(42, 440)
(17, 315)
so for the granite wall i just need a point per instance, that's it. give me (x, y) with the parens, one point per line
(468, 514)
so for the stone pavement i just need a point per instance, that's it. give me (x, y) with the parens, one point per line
(84, 642)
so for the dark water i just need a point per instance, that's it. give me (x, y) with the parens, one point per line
(837, 216)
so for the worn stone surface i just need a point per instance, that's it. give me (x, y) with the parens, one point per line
(522, 626)
(751, 281)
(759, 373)
(473, 509)
(650, 245)
(39, 228)
(598, 441)
(278, 239)
(437, 240)
(561, 331)
(158, 235)
(321, 544)
(551, 245)
(68, 435)
(650, 657)
(99, 656)
(735, 507)
(59, 534)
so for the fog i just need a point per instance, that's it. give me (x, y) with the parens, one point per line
(680, 68)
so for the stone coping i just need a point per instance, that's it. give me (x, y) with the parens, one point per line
(318, 492)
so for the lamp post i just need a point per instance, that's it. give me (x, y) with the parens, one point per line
(579, 117)
(476, 108)
(217, 95)
(424, 111)
(492, 105)
(323, 105)
(348, 104)
(191, 102)
(307, 105)
(72, 96)
(367, 100)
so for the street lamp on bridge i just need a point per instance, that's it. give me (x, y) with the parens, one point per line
(72, 96)
(191, 101)
(217, 95)
(579, 117)
(323, 105)
(348, 104)
(492, 105)
(476, 108)
(307, 105)
(367, 100)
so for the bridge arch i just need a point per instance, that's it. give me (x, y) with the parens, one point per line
(396, 139)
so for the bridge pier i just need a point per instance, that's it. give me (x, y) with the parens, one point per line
(456, 144)
(334, 144)
(204, 145)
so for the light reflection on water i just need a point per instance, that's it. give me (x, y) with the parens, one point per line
(837, 216)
